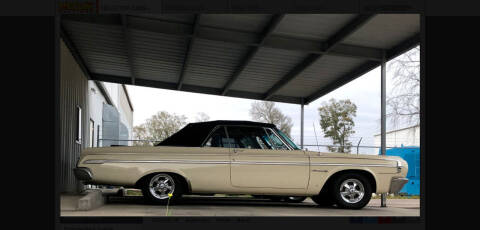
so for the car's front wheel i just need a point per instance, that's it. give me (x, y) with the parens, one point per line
(162, 188)
(351, 191)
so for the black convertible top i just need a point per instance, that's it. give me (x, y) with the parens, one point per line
(193, 134)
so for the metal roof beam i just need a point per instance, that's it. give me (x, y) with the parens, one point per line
(314, 47)
(194, 88)
(359, 71)
(274, 21)
(403, 47)
(188, 51)
(331, 42)
(104, 92)
(232, 36)
(348, 29)
(397, 50)
(128, 46)
(74, 51)
(291, 75)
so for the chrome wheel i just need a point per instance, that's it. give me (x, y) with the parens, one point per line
(161, 185)
(352, 191)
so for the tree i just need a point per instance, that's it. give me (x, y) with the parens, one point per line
(336, 120)
(158, 127)
(202, 117)
(403, 102)
(265, 111)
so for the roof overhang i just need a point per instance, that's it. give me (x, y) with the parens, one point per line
(292, 58)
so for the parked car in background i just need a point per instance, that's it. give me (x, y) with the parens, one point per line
(242, 157)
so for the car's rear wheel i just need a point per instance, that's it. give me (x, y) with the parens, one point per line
(162, 188)
(351, 191)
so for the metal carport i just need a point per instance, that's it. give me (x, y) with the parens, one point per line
(292, 58)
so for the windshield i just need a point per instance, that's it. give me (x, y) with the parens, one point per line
(286, 138)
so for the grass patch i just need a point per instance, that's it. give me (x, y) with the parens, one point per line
(233, 195)
(377, 196)
(133, 192)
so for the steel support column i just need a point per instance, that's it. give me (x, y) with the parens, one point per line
(301, 124)
(383, 118)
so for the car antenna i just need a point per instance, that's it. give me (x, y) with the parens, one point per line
(318, 146)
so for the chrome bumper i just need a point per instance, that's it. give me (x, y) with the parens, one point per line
(83, 174)
(397, 184)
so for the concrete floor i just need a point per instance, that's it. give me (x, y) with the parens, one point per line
(235, 206)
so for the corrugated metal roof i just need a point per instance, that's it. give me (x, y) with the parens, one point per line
(316, 27)
(266, 68)
(157, 55)
(385, 30)
(101, 46)
(212, 63)
(241, 22)
(323, 72)
(300, 58)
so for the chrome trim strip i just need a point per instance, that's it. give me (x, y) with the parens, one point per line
(353, 158)
(94, 161)
(318, 170)
(156, 161)
(355, 165)
(97, 161)
(269, 163)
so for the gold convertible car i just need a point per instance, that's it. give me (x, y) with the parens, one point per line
(242, 157)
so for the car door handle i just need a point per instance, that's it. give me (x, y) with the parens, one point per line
(237, 150)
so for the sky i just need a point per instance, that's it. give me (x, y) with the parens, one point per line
(363, 91)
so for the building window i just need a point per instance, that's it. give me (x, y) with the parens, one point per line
(92, 133)
(79, 125)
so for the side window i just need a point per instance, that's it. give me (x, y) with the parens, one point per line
(248, 137)
(276, 142)
(217, 139)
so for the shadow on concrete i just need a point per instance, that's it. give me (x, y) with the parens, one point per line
(215, 201)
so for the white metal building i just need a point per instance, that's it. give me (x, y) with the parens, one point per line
(115, 96)
(409, 136)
